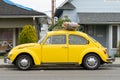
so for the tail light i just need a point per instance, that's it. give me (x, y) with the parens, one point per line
(105, 51)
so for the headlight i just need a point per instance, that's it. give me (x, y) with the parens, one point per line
(10, 54)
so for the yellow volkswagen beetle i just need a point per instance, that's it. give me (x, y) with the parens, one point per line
(60, 47)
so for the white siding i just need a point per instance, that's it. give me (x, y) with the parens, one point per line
(72, 15)
(91, 6)
(96, 5)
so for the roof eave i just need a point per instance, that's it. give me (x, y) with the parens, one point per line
(22, 16)
(100, 22)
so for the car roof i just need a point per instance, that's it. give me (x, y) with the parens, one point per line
(66, 32)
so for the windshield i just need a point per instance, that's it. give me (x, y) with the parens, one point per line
(42, 38)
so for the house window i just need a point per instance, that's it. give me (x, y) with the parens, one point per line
(91, 30)
(6, 34)
(6, 38)
(114, 37)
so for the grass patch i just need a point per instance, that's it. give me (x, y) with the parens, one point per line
(1, 57)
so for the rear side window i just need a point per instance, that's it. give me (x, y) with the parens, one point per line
(77, 40)
(56, 39)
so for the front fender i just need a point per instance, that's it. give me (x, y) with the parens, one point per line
(35, 56)
(97, 51)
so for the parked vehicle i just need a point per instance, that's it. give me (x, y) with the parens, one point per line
(60, 47)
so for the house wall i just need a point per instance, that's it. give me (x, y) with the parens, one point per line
(72, 15)
(97, 5)
(92, 6)
(10, 29)
(15, 22)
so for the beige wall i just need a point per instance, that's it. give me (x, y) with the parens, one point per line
(15, 23)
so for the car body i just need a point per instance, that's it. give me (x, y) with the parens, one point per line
(58, 47)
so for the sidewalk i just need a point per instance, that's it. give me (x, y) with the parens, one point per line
(5, 65)
(114, 64)
(117, 61)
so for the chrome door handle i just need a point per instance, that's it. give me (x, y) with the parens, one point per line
(64, 47)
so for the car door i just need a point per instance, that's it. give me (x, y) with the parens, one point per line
(55, 49)
(77, 44)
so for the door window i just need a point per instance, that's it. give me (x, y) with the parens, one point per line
(56, 39)
(77, 40)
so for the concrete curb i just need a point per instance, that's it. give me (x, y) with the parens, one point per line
(7, 66)
(111, 65)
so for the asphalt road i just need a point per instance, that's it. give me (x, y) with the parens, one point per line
(104, 73)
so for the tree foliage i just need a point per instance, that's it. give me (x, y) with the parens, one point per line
(58, 24)
(27, 35)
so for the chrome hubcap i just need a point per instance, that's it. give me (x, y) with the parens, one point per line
(92, 61)
(24, 62)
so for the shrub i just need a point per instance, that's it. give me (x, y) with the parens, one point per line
(119, 49)
(27, 35)
(59, 23)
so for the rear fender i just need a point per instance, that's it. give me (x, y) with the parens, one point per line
(97, 51)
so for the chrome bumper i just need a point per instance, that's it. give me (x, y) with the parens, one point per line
(6, 60)
(111, 59)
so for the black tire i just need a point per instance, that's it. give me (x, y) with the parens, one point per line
(24, 62)
(91, 62)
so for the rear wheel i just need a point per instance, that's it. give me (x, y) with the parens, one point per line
(24, 62)
(91, 61)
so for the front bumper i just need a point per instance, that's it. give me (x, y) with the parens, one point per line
(6, 60)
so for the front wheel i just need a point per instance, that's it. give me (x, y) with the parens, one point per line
(91, 61)
(24, 62)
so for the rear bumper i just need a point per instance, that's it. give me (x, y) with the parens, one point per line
(110, 59)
